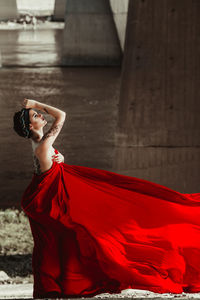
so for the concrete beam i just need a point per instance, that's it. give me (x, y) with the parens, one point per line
(8, 10)
(90, 36)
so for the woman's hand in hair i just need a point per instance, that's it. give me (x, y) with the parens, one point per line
(28, 103)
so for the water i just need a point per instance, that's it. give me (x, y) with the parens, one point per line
(31, 68)
(31, 48)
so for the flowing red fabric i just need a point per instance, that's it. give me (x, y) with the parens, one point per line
(98, 231)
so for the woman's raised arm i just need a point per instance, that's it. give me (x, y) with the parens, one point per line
(59, 115)
(55, 112)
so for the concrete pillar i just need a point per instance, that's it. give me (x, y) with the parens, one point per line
(90, 36)
(8, 10)
(59, 10)
(158, 131)
(120, 10)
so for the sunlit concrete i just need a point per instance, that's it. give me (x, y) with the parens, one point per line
(120, 10)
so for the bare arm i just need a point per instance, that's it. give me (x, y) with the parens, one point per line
(50, 136)
(55, 112)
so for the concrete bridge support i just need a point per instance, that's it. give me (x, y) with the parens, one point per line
(8, 10)
(120, 10)
(158, 134)
(59, 10)
(90, 36)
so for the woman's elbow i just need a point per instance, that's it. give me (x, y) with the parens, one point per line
(63, 115)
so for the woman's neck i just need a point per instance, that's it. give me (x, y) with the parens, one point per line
(37, 136)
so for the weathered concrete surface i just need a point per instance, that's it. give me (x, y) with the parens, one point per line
(90, 36)
(59, 10)
(120, 11)
(8, 10)
(158, 135)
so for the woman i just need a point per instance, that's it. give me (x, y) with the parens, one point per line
(98, 231)
(41, 144)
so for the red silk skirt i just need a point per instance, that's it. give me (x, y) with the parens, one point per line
(98, 231)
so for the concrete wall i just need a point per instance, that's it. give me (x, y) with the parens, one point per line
(158, 135)
(90, 36)
(120, 10)
(59, 10)
(8, 10)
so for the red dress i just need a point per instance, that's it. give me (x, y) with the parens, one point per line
(98, 231)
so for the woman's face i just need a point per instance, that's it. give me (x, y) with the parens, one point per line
(36, 119)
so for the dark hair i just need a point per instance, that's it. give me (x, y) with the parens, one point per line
(21, 123)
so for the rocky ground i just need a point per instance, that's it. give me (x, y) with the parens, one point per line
(16, 246)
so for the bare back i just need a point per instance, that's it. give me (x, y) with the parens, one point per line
(44, 151)
(45, 164)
